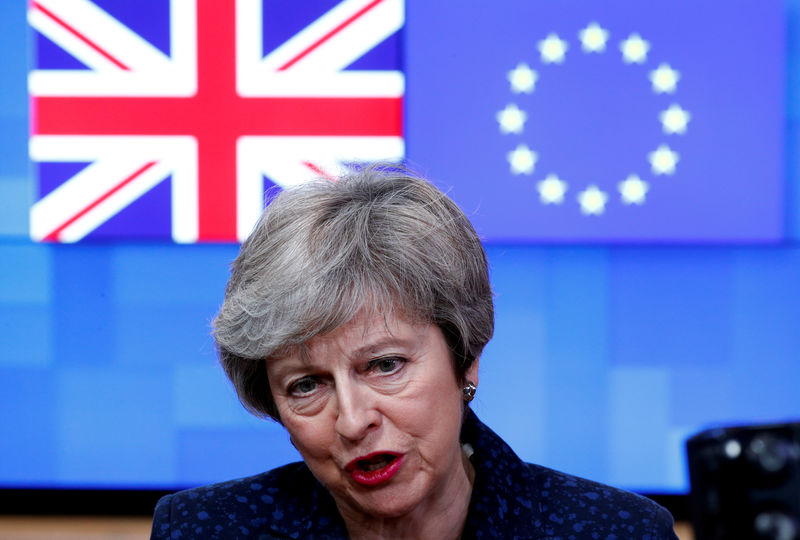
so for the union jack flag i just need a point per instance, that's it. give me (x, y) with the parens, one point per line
(169, 119)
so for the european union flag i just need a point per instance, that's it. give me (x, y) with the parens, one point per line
(603, 121)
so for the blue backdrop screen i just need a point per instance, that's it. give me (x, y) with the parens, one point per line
(606, 356)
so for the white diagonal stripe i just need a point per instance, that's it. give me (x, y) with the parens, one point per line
(152, 73)
(71, 197)
(114, 159)
(357, 38)
(112, 205)
(109, 34)
(388, 17)
(68, 41)
(281, 160)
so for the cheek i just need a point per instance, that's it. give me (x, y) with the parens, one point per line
(432, 414)
(438, 393)
(311, 438)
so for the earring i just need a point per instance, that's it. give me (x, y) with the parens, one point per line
(469, 391)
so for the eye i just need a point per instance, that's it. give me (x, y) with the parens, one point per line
(387, 364)
(303, 386)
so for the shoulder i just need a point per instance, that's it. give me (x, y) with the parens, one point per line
(570, 505)
(514, 499)
(238, 508)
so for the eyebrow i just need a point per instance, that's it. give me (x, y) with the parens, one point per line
(385, 342)
(288, 367)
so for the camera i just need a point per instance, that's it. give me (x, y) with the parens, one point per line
(745, 482)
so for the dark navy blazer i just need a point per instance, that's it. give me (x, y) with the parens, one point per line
(510, 499)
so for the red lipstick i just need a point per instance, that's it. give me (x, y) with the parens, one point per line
(374, 468)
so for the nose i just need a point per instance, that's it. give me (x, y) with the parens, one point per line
(357, 414)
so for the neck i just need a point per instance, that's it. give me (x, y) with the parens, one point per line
(441, 517)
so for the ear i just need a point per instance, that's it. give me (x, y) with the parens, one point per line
(472, 372)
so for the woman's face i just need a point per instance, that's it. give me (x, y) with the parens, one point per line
(375, 410)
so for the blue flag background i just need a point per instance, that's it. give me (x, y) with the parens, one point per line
(593, 118)
(604, 359)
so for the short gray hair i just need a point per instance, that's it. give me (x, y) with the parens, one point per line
(378, 238)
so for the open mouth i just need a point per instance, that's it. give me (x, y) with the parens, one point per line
(375, 468)
(375, 462)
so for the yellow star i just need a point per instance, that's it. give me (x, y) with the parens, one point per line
(634, 49)
(511, 119)
(592, 201)
(523, 79)
(552, 49)
(664, 79)
(551, 189)
(633, 190)
(593, 38)
(522, 160)
(674, 119)
(663, 160)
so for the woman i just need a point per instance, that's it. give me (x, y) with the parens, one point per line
(355, 315)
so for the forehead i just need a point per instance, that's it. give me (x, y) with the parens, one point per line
(370, 329)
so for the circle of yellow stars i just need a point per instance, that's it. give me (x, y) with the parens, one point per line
(594, 39)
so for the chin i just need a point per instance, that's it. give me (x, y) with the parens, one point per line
(389, 509)
(387, 504)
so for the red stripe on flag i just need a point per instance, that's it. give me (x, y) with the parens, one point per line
(239, 117)
(80, 36)
(329, 35)
(53, 236)
(218, 117)
(319, 172)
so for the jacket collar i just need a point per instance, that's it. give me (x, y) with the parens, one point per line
(303, 508)
(503, 503)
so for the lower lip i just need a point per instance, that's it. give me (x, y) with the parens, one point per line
(378, 476)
